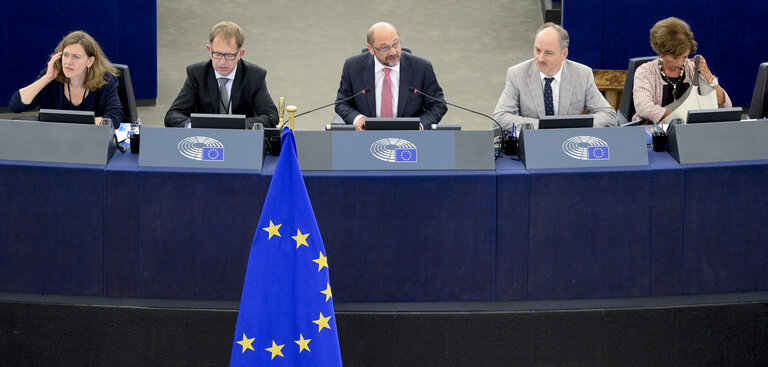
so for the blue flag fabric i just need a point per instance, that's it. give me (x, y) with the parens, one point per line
(286, 313)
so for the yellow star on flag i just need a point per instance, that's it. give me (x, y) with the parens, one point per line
(322, 322)
(246, 343)
(276, 350)
(327, 292)
(303, 343)
(273, 230)
(301, 239)
(321, 261)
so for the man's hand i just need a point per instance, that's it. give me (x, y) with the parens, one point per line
(360, 124)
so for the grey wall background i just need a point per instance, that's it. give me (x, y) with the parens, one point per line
(303, 45)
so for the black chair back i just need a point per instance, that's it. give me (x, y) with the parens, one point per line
(759, 106)
(627, 106)
(125, 92)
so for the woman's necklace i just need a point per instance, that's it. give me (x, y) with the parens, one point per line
(85, 91)
(678, 82)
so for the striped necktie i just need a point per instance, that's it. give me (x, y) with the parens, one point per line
(223, 96)
(386, 95)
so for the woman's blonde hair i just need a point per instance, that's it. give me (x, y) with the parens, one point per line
(95, 77)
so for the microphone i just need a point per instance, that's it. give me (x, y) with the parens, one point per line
(503, 132)
(364, 91)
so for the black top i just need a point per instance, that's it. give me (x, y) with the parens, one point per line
(667, 97)
(104, 102)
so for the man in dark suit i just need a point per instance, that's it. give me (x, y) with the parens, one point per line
(226, 84)
(388, 74)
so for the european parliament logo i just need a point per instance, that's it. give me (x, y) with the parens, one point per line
(201, 148)
(394, 150)
(587, 148)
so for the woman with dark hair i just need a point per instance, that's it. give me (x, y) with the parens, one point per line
(662, 81)
(84, 78)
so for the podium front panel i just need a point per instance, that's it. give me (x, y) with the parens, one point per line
(201, 148)
(56, 142)
(587, 147)
(395, 150)
(719, 142)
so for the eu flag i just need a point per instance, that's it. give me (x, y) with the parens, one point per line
(213, 154)
(286, 310)
(599, 152)
(405, 155)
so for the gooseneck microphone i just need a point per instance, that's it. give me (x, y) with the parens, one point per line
(364, 91)
(503, 132)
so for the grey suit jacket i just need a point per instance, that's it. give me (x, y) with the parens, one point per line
(522, 100)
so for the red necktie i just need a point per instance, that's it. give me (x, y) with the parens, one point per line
(386, 95)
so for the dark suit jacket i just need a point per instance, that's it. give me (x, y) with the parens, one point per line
(415, 72)
(200, 94)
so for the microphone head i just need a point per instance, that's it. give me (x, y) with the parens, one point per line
(366, 90)
(412, 90)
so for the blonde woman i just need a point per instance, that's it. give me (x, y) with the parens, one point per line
(78, 77)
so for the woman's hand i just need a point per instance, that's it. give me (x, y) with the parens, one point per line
(704, 69)
(707, 74)
(29, 92)
(53, 69)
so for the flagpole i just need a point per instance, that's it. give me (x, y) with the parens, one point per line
(291, 113)
(281, 113)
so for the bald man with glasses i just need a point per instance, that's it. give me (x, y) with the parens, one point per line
(389, 74)
(225, 84)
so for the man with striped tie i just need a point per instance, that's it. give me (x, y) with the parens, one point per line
(225, 84)
(390, 75)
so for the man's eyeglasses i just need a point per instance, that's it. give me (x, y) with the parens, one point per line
(386, 49)
(219, 55)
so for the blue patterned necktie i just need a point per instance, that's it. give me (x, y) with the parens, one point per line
(549, 106)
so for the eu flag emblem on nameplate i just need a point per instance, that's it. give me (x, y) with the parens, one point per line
(405, 155)
(598, 153)
(213, 154)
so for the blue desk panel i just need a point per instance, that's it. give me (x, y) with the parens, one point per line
(666, 227)
(51, 232)
(509, 234)
(512, 205)
(405, 236)
(121, 235)
(725, 243)
(195, 229)
(590, 232)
